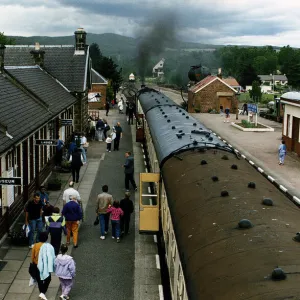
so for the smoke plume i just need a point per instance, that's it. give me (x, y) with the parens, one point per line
(159, 35)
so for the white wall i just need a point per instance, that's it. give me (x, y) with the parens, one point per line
(293, 111)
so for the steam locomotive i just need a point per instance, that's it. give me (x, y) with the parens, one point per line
(227, 231)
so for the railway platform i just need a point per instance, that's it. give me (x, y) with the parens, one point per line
(260, 148)
(105, 269)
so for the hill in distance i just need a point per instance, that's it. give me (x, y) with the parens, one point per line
(110, 44)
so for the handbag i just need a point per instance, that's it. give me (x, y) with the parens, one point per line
(32, 270)
(97, 221)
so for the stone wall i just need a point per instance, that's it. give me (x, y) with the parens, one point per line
(81, 113)
(207, 98)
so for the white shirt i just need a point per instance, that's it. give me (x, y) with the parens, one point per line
(80, 157)
(83, 140)
(70, 192)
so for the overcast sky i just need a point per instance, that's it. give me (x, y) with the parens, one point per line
(245, 22)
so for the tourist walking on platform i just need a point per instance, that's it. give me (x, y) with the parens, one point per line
(106, 128)
(59, 151)
(33, 218)
(119, 133)
(104, 200)
(131, 112)
(56, 226)
(69, 192)
(129, 171)
(46, 267)
(76, 160)
(33, 269)
(65, 270)
(282, 152)
(73, 214)
(99, 130)
(127, 206)
(221, 110)
(83, 145)
(44, 197)
(108, 143)
(115, 216)
(227, 115)
(107, 107)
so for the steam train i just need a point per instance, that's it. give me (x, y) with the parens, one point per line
(228, 232)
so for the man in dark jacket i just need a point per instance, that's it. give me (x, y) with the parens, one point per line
(73, 214)
(107, 107)
(119, 132)
(127, 206)
(76, 160)
(129, 171)
(131, 112)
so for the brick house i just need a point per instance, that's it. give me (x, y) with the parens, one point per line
(209, 94)
(291, 121)
(99, 85)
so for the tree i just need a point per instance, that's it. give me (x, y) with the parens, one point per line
(255, 93)
(247, 76)
(106, 67)
(293, 75)
(4, 40)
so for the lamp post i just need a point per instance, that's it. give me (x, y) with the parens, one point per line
(273, 82)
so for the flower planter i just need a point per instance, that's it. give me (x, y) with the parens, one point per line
(261, 127)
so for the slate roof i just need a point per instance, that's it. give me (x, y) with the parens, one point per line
(98, 78)
(24, 112)
(231, 81)
(270, 78)
(206, 81)
(59, 61)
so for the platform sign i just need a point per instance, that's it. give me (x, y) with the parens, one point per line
(46, 142)
(66, 122)
(253, 108)
(10, 181)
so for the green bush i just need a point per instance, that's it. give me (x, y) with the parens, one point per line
(197, 110)
(247, 124)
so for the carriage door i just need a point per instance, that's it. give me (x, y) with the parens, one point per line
(295, 134)
(149, 202)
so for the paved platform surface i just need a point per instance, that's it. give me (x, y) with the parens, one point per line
(260, 147)
(105, 269)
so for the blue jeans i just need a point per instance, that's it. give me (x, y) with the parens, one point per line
(83, 153)
(35, 225)
(104, 221)
(115, 228)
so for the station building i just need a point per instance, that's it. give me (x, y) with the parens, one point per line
(40, 86)
(291, 121)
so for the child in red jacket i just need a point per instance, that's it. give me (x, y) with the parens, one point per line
(115, 216)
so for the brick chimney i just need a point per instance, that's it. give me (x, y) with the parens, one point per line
(38, 55)
(220, 73)
(80, 41)
(2, 52)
